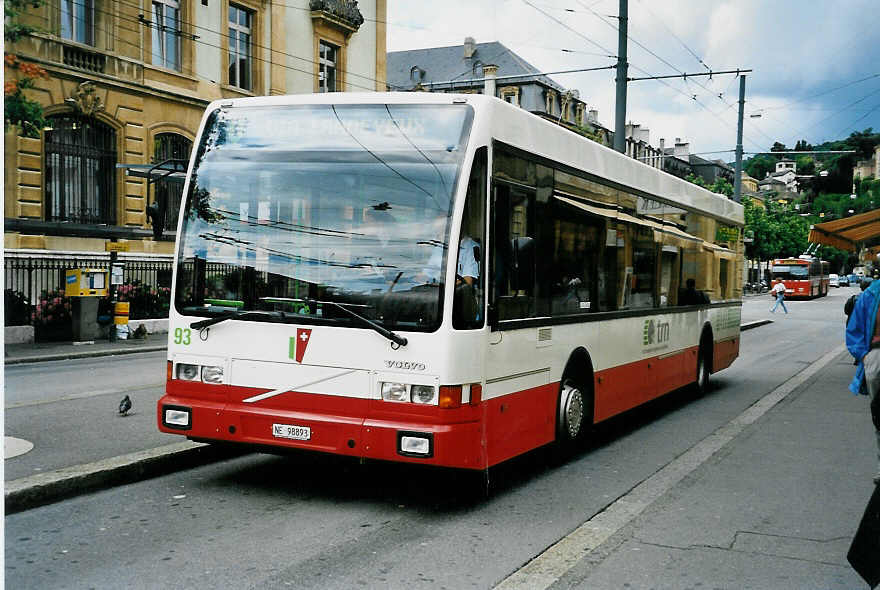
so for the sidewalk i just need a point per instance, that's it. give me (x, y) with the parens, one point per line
(52, 351)
(777, 506)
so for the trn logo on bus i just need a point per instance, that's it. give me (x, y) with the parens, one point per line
(655, 331)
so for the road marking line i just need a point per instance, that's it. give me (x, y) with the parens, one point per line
(548, 567)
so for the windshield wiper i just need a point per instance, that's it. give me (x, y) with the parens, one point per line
(396, 338)
(235, 315)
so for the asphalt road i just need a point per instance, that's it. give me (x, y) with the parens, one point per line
(310, 521)
(54, 402)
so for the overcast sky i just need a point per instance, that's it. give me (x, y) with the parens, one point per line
(816, 63)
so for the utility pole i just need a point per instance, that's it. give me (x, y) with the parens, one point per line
(620, 105)
(737, 179)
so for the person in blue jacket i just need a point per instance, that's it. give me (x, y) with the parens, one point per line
(863, 342)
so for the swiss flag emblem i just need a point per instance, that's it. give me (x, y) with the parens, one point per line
(302, 341)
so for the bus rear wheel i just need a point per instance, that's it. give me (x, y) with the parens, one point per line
(704, 370)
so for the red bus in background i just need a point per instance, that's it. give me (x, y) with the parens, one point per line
(805, 276)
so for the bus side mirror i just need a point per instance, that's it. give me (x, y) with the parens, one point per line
(523, 264)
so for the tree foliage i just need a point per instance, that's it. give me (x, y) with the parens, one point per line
(721, 185)
(12, 29)
(19, 110)
(776, 231)
(759, 166)
(803, 146)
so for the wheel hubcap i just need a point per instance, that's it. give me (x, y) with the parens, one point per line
(572, 410)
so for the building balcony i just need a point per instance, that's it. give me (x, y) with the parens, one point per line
(82, 58)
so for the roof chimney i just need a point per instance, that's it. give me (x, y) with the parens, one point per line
(470, 47)
(681, 149)
(490, 71)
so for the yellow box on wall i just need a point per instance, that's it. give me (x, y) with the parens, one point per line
(85, 282)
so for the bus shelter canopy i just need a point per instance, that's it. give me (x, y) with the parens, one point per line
(849, 233)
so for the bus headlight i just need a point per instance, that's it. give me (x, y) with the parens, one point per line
(212, 374)
(423, 394)
(187, 372)
(395, 392)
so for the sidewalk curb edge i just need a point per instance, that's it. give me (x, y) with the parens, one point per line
(81, 355)
(45, 488)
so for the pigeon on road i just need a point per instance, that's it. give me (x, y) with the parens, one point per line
(124, 406)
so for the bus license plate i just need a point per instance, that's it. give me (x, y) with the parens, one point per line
(291, 431)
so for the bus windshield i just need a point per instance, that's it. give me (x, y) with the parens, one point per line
(289, 207)
(783, 272)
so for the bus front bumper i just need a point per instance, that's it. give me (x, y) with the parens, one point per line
(365, 428)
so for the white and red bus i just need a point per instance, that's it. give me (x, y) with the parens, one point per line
(434, 278)
(803, 277)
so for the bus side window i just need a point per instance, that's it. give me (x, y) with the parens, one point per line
(469, 294)
(572, 262)
(513, 251)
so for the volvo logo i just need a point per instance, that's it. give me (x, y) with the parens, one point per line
(405, 365)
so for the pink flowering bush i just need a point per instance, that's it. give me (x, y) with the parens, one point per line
(52, 309)
(145, 301)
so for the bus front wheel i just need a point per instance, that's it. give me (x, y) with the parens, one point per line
(570, 422)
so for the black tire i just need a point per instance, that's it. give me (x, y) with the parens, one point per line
(704, 367)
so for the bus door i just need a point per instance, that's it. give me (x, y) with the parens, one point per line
(520, 396)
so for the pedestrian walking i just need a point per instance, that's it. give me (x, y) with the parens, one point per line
(779, 290)
(863, 343)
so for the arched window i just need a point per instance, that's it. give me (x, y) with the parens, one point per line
(170, 146)
(80, 170)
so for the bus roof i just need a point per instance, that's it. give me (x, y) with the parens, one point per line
(521, 129)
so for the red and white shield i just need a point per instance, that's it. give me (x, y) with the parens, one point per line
(303, 336)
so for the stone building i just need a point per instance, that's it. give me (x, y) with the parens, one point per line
(127, 87)
(465, 69)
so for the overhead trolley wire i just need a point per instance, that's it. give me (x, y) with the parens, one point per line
(579, 34)
(671, 32)
(851, 125)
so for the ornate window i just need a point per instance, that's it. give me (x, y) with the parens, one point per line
(170, 146)
(166, 34)
(333, 24)
(550, 102)
(240, 47)
(510, 94)
(80, 170)
(579, 114)
(328, 55)
(78, 21)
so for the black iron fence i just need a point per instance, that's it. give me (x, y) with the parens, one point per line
(34, 288)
